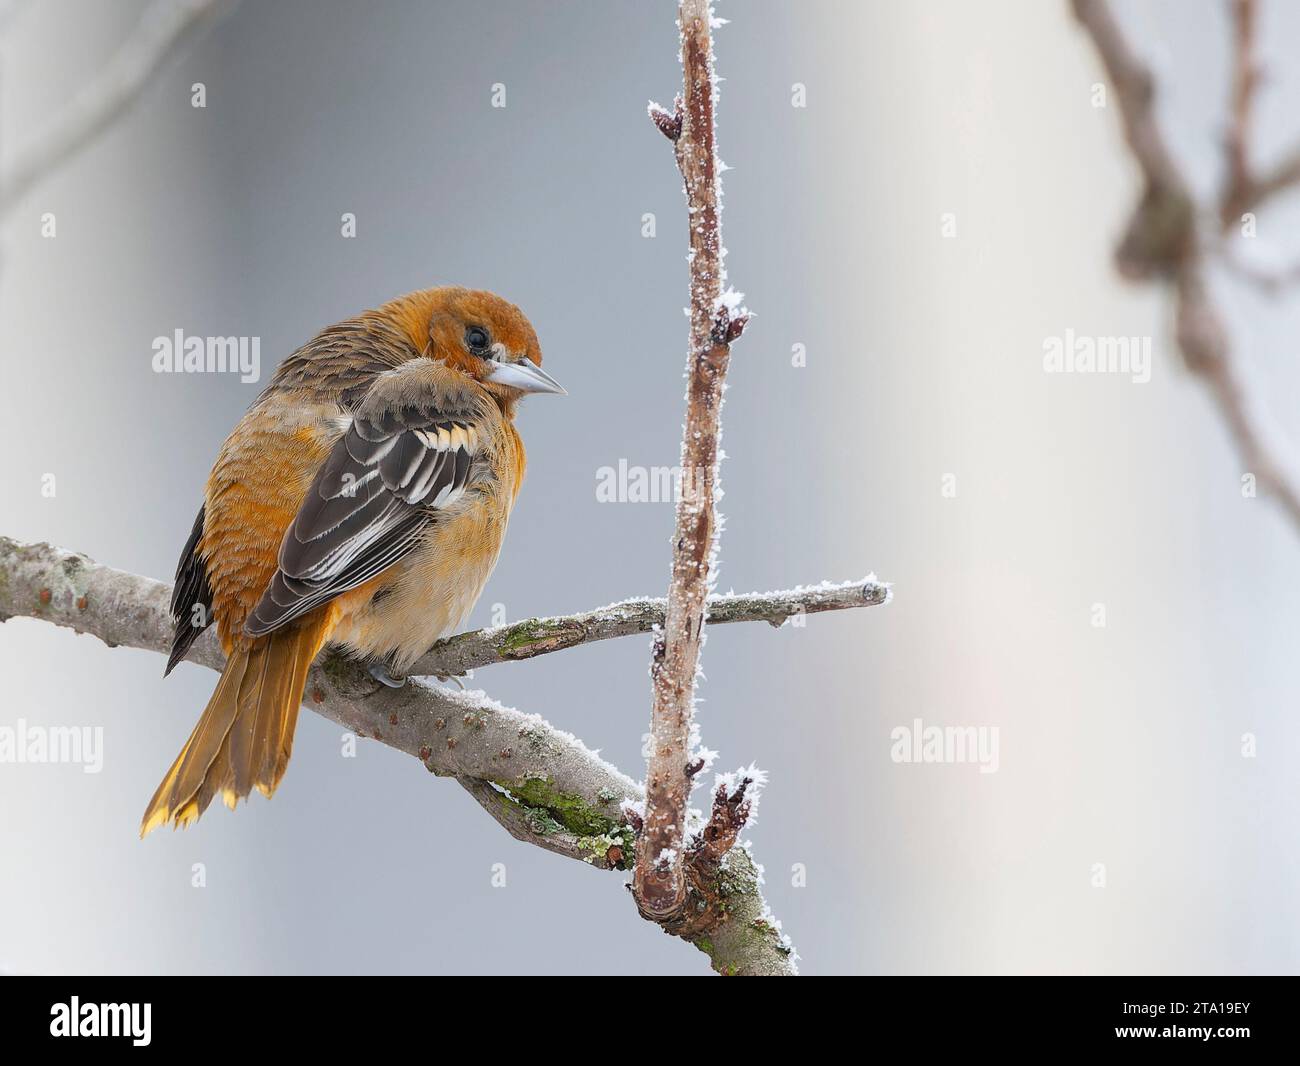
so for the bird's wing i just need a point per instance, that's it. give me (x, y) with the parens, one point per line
(191, 590)
(408, 454)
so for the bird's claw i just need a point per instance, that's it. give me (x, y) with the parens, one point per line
(380, 673)
(453, 679)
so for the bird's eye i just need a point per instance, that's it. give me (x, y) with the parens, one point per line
(477, 340)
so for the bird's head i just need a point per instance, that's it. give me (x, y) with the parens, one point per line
(483, 337)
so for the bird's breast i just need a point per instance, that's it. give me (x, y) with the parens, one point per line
(431, 592)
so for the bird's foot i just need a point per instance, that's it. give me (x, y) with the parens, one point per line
(379, 671)
(452, 680)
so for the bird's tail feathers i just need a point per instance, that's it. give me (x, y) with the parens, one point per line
(245, 735)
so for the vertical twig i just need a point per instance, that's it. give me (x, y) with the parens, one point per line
(660, 884)
(1247, 187)
(1245, 80)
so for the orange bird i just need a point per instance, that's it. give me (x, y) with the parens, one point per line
(361, 501)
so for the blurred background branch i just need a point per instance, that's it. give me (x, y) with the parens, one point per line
(1164, 238)
(165, 28)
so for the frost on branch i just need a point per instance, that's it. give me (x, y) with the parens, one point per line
(720, 872)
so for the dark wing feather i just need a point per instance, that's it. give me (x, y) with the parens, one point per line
(191, 590)
(372, 500)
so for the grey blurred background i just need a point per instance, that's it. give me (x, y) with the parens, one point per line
(1119, 745)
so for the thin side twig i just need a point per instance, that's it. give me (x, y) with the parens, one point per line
(531, 637)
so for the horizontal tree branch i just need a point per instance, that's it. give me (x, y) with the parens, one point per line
(542, 784)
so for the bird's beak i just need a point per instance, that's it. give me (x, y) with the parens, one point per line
(526, 377)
